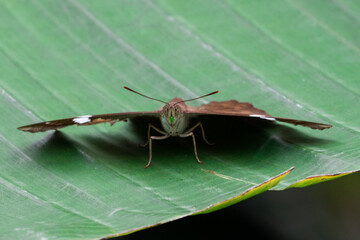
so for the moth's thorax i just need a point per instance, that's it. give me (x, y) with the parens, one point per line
(173, 117)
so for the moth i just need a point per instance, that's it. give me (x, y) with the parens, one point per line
(174, 117)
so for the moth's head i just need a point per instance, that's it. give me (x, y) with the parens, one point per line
(172, 113)
(173, 117)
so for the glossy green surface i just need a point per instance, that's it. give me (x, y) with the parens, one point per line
(67, 58)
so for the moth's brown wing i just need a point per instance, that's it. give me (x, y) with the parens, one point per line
(85, 120)
(235, 108)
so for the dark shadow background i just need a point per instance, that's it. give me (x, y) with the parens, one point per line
(328, 211)
(230, 134)
(242, 137)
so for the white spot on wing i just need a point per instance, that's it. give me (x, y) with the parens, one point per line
(82, 119)
(269, 118)
(263, 117)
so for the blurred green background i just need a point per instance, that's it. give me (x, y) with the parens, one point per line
(324, 211)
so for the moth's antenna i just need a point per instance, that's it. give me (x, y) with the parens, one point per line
(144, 95)
(198, 97)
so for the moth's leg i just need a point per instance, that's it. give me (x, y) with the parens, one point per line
(194, 142)
(148, 134)
(202, 131)
(150, 146)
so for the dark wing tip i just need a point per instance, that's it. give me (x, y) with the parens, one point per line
(46, 126)
(21, 128)
(39, 127)
(322, 126)
(312, 125)
(30, 128)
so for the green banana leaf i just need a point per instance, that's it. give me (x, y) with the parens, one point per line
(64, 58)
